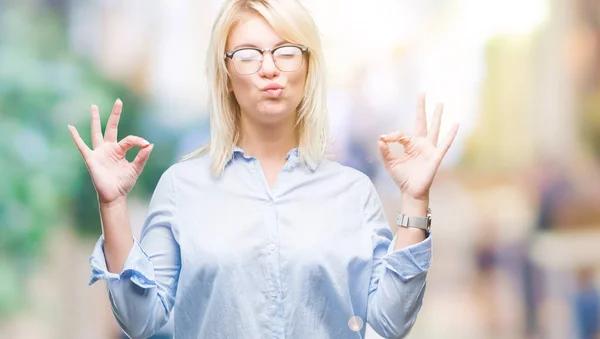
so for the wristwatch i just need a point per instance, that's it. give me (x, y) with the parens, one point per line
(423, 223)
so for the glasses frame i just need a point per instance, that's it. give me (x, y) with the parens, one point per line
(229, 55)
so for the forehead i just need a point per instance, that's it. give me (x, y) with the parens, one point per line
(253, 30)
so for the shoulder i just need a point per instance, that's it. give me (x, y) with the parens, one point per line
(199, 163)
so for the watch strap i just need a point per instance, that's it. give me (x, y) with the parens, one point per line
(415, 221)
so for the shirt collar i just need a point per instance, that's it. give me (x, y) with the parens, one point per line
(292, 158)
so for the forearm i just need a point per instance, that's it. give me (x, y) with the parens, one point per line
(408, 236)
(143, 297)
(394, 307)
(118, 239)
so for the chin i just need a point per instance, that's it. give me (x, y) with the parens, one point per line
(272, 112)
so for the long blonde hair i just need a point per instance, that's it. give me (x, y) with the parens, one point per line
(292, 21)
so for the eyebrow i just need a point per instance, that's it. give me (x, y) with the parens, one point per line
(280, 43)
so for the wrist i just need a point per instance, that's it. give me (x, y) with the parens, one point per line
(112, 204)
(414, 207)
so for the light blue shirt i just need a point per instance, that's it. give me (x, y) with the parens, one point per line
(312, 258)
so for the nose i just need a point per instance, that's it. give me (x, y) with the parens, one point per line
(268, 68)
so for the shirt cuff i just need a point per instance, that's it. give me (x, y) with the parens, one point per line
(138, 267)
(409, 262)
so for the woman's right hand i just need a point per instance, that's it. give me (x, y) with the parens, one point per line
(112, 175)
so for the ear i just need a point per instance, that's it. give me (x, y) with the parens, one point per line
(229, 87)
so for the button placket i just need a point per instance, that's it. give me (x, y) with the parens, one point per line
(274, 260)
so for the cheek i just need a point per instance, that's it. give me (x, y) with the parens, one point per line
(241, 87)
(298, 81)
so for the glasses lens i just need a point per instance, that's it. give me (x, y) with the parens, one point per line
(288, 58)
(247, 61)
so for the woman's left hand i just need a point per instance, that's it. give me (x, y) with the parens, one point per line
(415, 170)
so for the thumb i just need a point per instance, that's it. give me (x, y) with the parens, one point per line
(384, 149)
(142, 157)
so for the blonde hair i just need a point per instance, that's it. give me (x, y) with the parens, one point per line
(291, 20)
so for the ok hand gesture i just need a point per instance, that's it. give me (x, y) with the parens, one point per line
(113, 176)
(415, 170)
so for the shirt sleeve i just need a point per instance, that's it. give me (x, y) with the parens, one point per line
(143, 294)
(398, 278)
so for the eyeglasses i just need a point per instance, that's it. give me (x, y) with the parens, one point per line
(248, 60)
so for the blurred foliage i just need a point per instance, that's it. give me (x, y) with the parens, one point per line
(44, 86)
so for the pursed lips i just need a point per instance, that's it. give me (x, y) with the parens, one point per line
(273, 90)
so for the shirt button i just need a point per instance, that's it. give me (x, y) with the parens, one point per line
(272, 247)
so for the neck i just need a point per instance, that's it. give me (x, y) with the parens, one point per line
(268, 142)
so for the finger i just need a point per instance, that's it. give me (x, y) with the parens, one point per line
(97, 139)
(449, 138)
(384, 149)
(142, 157)
(421, 121)
(434, 128)
(81, 146)
(398, 136)
(131, 141)
(113, 122)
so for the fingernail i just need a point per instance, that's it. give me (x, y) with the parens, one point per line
(118, 100)
(145, 143)
(383, 136)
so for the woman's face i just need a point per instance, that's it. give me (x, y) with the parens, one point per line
(268, 95)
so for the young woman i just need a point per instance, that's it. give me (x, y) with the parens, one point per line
(258, 235)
